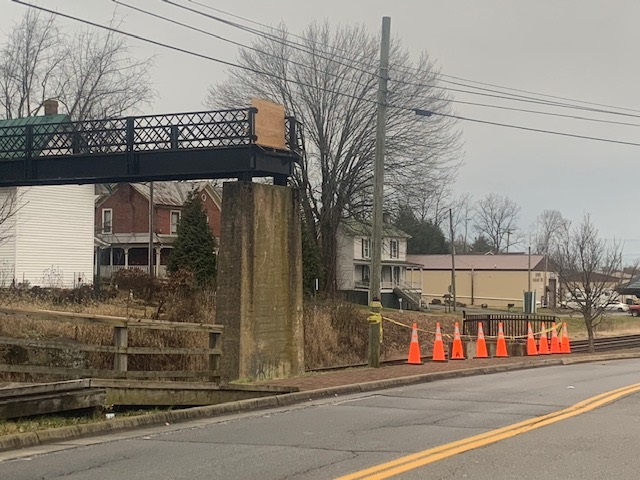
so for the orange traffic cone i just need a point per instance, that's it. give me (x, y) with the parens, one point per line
(414, 347)
(438, 346)
(532, 349)
(555, 343)
(565, 345)
(457, 350)
(501, 345)
(481, 344)
(543, 342)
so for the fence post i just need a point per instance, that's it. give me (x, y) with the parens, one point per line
(214, 358)
(120, 339)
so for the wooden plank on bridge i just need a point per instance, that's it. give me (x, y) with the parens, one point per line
(46, 398)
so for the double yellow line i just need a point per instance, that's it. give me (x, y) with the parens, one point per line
(420, 459)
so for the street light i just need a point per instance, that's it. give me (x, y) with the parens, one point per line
(423, 113)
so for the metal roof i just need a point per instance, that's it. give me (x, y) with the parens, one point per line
(12, 132)
(357, 228)
(507, 261)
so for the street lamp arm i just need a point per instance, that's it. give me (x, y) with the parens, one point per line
(423, 113)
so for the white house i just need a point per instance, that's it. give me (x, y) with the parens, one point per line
(48, 242)
(354, 260)
(47, 239)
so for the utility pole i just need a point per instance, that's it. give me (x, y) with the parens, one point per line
(150, 262)
(529, 271)
(375, 319)
(453, 261)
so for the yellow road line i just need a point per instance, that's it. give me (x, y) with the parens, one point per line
(416, 460)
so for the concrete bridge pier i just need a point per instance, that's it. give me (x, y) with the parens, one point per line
(259, 296)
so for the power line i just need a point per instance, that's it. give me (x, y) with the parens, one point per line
(218, 37)
(327, 55)
(262, 52)
(538, 112)
(413, 70)
(536, 93)
(530, 129)
(224, 62)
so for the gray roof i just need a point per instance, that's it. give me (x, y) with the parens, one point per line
(506, 261)
(631, 288)
(357, 228)
(170, 194)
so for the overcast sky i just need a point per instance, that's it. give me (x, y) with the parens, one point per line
(581, 49)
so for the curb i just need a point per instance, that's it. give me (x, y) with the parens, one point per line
(32, 439)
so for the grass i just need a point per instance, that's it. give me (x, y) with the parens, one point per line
(46, 422)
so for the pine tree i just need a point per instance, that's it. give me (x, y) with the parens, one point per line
(194, 249)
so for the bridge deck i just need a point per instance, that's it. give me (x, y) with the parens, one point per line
(214, 144)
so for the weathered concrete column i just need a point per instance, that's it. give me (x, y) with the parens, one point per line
(259, 296)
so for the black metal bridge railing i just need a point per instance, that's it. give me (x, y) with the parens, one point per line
(213, 129)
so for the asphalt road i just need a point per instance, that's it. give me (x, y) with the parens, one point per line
(340, 436)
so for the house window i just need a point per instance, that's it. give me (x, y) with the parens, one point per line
(175, 221)
(107, 220)
(365, 273)
(366, 248)
(394, 248)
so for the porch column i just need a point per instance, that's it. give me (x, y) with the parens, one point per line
(157, 266)
(126, 257)
(111, 258)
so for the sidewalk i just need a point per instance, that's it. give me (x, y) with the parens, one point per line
(358, 375)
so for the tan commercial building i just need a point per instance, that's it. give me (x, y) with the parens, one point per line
(498, 281)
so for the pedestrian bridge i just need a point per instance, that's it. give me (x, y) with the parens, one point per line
(236, 143)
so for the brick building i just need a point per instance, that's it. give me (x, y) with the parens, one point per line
(122, 222)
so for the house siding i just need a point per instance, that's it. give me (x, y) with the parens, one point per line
(344, 262)
(54, 235)
(7, 244)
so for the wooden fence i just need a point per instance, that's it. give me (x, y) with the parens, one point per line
(119, 348)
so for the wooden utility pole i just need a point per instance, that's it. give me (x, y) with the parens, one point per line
(375, 319)
(453, 261)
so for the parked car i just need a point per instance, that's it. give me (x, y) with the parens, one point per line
(617, 306)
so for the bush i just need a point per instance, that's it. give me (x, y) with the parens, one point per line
(137, 281)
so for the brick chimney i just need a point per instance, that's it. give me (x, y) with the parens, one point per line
(50, 107)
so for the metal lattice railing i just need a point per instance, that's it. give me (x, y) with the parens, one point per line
(221, 128)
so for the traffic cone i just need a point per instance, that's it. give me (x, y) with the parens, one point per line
(532, 349)
(543, 342)
(565, 345)
(481, 344)
(414, 348)
(438, 346)
(501, 344)
(555, 343)
(457, 350)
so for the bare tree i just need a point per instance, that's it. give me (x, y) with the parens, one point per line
(99, 78)
(28, 59)
(92, 74)
(496, 219)
(588, 268)
(550, 227)
(328, 80)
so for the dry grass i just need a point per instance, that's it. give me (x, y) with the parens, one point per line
(337, 333)
(200, 308)
(45, 422)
